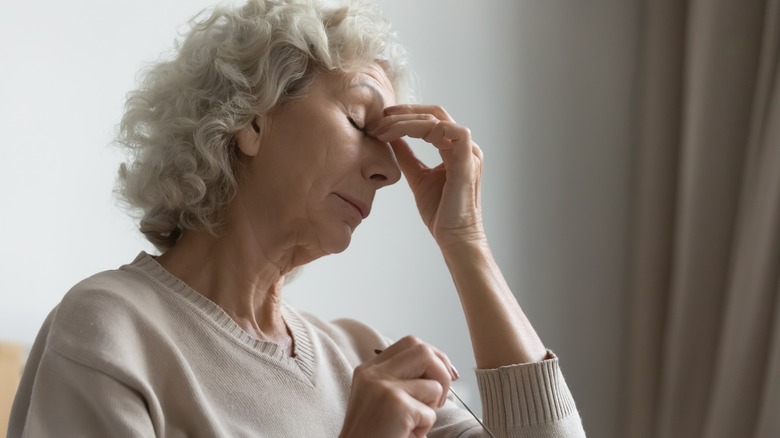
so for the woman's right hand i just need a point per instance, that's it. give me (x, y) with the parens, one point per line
(395, 394)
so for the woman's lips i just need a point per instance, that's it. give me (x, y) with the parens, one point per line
(361, 207)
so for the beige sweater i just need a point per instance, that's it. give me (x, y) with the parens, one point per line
(136, 352)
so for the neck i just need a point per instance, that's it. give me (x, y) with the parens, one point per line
(238, 277)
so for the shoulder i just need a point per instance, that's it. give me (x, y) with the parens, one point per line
(107, 298)
(352, 337)
(108, 291)
(105, 317)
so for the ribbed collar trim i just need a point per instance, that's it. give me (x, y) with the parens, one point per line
(302, 363)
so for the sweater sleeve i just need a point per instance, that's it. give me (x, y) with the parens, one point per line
(518, 401)
(529, 401)
(71, 399)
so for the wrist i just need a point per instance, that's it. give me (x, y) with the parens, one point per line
(454, 240)
(469, 253)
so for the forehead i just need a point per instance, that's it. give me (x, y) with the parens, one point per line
(373, 78)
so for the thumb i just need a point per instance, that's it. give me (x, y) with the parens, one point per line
(410, 165)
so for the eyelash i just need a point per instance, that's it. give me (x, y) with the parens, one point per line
(355, 125)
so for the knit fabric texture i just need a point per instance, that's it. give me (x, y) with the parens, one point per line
(137, 352)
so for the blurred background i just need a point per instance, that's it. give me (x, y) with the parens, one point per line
(549, 89)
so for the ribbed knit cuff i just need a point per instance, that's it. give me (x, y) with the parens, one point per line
(515, 397)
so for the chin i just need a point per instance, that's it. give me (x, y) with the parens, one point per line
(335, 248)
(337, 242)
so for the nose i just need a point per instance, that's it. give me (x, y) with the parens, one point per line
(380, 165)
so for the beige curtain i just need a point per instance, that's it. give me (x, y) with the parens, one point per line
(704, 322)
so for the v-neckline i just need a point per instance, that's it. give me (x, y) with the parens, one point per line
(301, 363)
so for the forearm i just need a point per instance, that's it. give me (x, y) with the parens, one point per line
(500, 332)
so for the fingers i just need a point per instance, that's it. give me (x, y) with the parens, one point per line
(481, 161)
(425, 391)
(390, 119)
(437, 111)
(406, 113)
(421, 361)
(448, 195)
(379, 403)
(398, 391)
(410, 165)
(452, 140)
(410, 359)
(410, 342)
(424, 417)
(442, 134)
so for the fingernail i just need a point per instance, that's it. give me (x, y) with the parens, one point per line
(455, 373)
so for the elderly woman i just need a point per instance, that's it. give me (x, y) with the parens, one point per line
(257, 149)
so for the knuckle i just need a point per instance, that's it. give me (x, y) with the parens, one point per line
(438, 388)
(365, 374)
(388, 391)
(393, 398)
(424, 348)
(380, 388)
(411, 340)
(426, 417)
(410, 422)
(428, 352)
(362, 372)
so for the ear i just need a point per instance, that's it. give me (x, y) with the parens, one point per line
(248, 139)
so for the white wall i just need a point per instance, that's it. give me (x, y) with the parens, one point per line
(545, 87)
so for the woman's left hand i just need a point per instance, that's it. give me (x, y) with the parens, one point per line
(448, 195)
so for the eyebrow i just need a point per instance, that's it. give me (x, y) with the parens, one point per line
(375, 91)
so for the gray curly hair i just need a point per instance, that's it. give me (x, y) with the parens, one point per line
(233, 64)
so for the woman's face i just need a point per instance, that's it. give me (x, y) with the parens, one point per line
(315, 172)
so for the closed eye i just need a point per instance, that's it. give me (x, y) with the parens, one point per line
(355, 125)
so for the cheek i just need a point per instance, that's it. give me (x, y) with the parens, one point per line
(314, 161)
(338, 157)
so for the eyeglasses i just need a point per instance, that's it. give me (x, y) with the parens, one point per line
(377, 351)
(472, 413)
